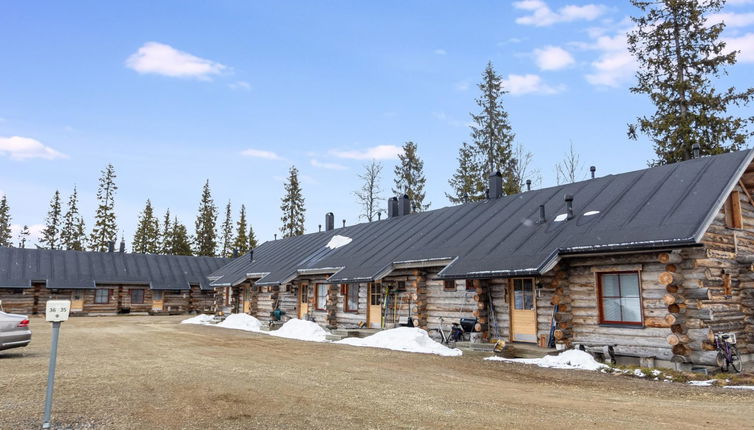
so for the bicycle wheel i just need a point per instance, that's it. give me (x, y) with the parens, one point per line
(721, 361)
(735, 359)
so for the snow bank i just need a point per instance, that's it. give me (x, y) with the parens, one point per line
(409, 339)
(702, 383)
(571, 359)
(241, 322)
(199, 319)
(740, 387)
(337, 241)
(301, 330)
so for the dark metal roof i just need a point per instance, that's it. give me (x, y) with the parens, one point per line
(663, 206)
(61, 269)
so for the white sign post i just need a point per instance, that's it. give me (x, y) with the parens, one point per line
(56, 311)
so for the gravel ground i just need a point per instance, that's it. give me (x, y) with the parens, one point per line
(151, 372)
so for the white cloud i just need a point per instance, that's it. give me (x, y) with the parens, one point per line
(462, 86)
(331, 166)
(738, 2)
(541, 15)
(732, 19)
(260, 153)
(240, 85)
(162, 59)
(529, 84)
(35, 233)
(379, 152)
(614, 65)
(22, 148)
(440, 52)
(553, 58)
(745, 44)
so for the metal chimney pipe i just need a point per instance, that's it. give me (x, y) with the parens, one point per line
(404, 207)
(251, 255)
(122, 246)
(344, 223)
(542, 218)
(592, 169)
(235, 252)
(329, 221)
(111, 246)
(569, 205)
(495, 184)
(379, 216)
(696, 150)
(320, 227)
(528, 185)
(392, 207)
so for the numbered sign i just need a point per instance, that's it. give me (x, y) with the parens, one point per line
(57, 310)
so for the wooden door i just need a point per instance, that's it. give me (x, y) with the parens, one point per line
(303, 301)
(77, 301)
(374, 306)
(523, 310)
(157, 301)
(246, 300)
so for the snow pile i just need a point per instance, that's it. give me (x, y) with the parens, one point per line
(409, 339)
(301, 330)
(702, 383)
(241, 322)
(571, 359)
(199, 319)
(337, 241)
(561, 217)
(740, 387)
(590, 213)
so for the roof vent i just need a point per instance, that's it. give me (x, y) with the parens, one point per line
(251, 255)
(392, 207)
(111, 246)
(569, 206)
(379, 216)
(592, 169)
(344, 223)
(404, 207)
(235, 252)
(122, 247)
(696, 150)
(329, 221)
(528, 185)
(495, 185)
(542, 218)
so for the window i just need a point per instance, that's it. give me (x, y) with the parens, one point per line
(375, 296)
(352, 298)
(321, 297)
(620, 298)
(733, 216)
(102, 296)
(449, 285)
(523, 294)
(137, 297)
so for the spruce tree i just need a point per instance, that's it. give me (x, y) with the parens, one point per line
(23, 236)
(492, 137)
(5, 232)
(226, 233)
(368, 196)
(51, 233)
(679, 55)
(205, 241)
(180, 240)
(72, 234)
(409, 177)
(252, 239)
(241, 243)
(105, 228)
(466, 182)
(147, 236)
(166, 245)
(292, 206)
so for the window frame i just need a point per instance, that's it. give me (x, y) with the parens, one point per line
(346, 306)
(600, 298)
(97, 299)
(317, 297)
(449, 285)
(143, 296)
(533, 293)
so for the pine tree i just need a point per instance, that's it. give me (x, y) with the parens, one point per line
(368, 196)
(147, 236)
(51, 233)
(292, 206)
(252, 239)
(180, 239)
(492, 137)
(166, 246)
(23, 236)
(226, 233)
(5, 232)
(241, 243)
(205, 241)
(466, 182)
(72, 235)
(409, 177)
(679, 54)
(105, 228)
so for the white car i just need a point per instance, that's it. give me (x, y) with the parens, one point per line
(14, 331)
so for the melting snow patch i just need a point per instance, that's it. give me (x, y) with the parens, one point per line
(702, 383)
(561, 217)
(337, 241)
(241, 322)
(408, 339)
(590, 213)
(740, 387)
(571, 359)
(301, 330)
(199, 319)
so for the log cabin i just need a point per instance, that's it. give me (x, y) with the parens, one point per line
(646, 266)
(105, 283)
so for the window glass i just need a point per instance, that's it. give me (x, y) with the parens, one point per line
(620, 298)
(321, 296)
(304, 293)
(102, 296)
(610, 286)
(352, 303)
(137, 297)
(523, 294)
(631, 309)
(629, 285)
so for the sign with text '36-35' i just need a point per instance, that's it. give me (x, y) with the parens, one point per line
(57, 310)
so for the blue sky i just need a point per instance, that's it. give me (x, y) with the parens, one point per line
(174, 93)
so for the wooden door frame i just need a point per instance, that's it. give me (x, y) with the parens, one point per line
(301, 287)
(512, 305)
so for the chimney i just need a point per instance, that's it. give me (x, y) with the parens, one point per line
(235, 252)
(696, 150)
(542, 218)
(329, 221)
(404, 207)
(495, 186)
(276, 236)
(379, 216)
(392, 207)
(528, 185)
(344, 223)
(320, 228)
(592, 169)
(251, 255)
(111, 246)
(569, 205)
(122, 247)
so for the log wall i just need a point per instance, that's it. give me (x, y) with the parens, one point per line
(18, 301)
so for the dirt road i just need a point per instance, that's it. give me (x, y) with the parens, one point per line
(151, 372)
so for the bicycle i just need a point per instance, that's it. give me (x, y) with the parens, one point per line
(727, 353)
(450, 338)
